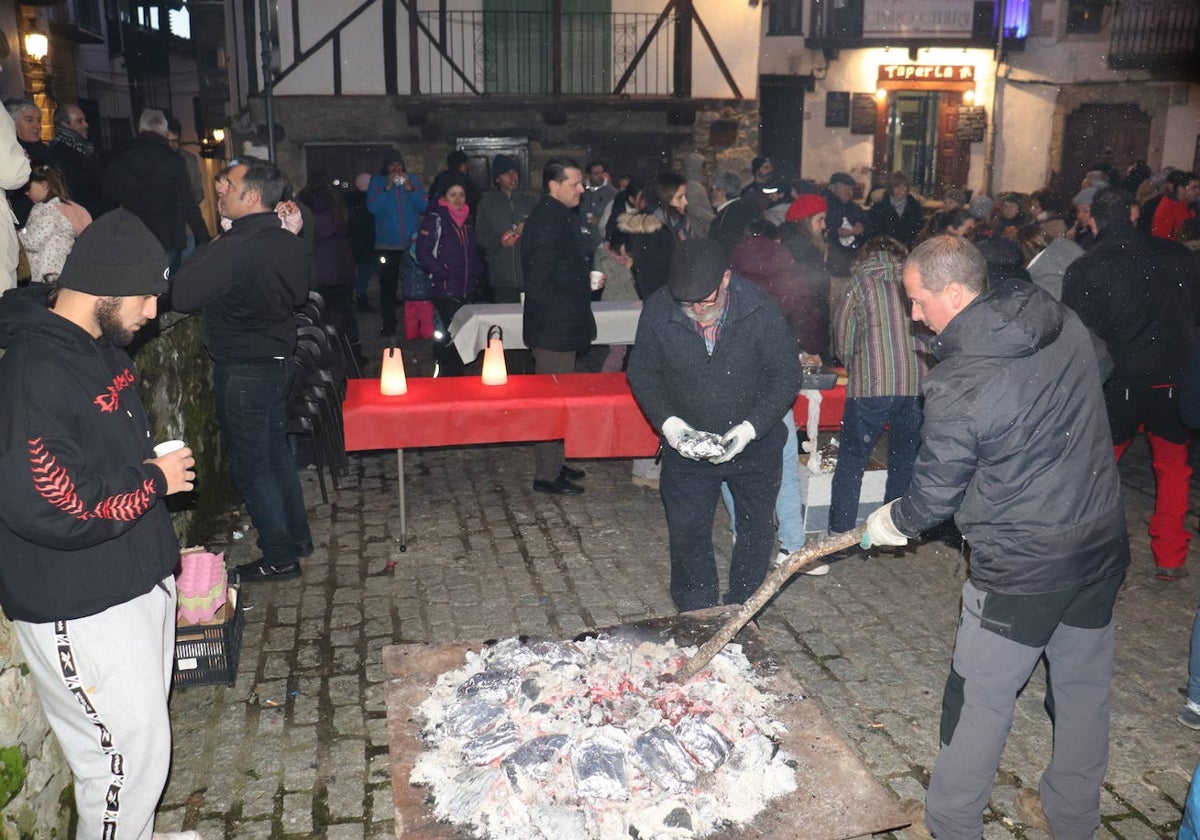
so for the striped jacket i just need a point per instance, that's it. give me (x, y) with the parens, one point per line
(873, 335)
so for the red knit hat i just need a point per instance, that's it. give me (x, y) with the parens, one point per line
(805, 206)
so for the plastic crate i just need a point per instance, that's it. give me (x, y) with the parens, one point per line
(207, 654)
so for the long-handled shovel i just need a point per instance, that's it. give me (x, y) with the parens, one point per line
(797, 561)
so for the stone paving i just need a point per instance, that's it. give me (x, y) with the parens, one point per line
(298, 747)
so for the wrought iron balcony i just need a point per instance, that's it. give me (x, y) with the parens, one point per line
(536, 53)
(839, 24)
(1162, 36)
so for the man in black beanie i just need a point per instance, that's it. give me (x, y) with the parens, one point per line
(714, 366)
(89, 550)
(248, 282)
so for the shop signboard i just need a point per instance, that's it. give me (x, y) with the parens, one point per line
(918, 18)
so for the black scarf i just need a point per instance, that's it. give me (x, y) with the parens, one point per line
(72, 139)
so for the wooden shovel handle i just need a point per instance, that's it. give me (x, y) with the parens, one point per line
(797, 561)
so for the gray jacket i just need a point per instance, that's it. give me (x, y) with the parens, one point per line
(496, 214)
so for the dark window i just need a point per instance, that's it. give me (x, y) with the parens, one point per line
(784, 17)
(1085, 15)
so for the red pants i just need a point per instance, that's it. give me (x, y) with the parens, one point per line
(1168, 536)
(418, 319)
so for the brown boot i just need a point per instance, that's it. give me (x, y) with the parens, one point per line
(1028, 805)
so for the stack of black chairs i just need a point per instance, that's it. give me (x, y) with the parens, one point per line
(321, 363)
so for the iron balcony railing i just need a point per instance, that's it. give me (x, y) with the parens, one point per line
(1161, 35)
(835, 24)
(534, 53)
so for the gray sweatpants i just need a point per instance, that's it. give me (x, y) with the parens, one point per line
(1000, 640)
(103, 681)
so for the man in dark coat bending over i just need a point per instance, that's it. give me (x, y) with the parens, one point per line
(1015, 446)
(714, 355)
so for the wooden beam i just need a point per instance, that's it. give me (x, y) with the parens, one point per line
(637, 58)
(295, 29)
(556, 47)
(337, 64)
(683, 48)
(325, 39)
(420, 26)
(716, 54)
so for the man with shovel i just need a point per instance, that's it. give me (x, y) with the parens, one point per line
(1015, 446)
(714, 367)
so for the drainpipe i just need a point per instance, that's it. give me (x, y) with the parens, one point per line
(264, 32)
(989, 146)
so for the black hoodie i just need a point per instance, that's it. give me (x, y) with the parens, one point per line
(81, 527)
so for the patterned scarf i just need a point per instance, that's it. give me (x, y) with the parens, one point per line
(675, 222)
(72, 139)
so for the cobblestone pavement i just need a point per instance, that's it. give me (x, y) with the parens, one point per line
(298, 747)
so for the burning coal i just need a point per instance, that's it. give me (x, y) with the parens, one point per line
(565, 740)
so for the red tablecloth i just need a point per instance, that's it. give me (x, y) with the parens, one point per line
(593, 413)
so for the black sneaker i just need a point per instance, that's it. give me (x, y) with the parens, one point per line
(558, 487)
(305, 549)
(260, 570)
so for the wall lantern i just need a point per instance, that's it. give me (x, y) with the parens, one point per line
(37, 45)
(880, 95)
(391, 374)
(495, 372)
(969, 97)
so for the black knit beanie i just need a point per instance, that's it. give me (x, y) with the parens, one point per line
(116, 256)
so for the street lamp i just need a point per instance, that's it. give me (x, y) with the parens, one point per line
(37, 45)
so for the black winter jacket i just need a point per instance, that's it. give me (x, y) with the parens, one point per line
(1016, 446)
(151, 181)
(753, 373)
(555, 260)
(651, 244)
(248, 282)
(1138, 294)
(81, 526)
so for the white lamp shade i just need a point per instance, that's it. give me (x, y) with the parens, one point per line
(391, 375)
(495, 372)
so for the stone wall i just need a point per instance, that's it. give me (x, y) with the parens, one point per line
(655, 133)
(36, 795)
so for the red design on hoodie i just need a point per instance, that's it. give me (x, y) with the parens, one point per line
(110, 400)
(53, 483)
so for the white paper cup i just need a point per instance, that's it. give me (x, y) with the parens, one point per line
(168, 446)
(597, 278)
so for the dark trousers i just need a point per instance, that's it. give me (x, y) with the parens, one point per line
(548, 454)
(389, 282)
(862, 423)
(251, 407)
(690, 490)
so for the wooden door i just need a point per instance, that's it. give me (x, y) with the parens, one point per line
(1117, 134)
(953, 155)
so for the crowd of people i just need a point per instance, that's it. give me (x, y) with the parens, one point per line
(1010, 348)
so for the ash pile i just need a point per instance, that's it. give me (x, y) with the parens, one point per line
(564, 740)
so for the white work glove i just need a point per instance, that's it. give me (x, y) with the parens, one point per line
(881, 530)
(735, 441)
(676, 431)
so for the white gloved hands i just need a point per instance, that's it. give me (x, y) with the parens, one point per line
(676, 432)
(735, 440)
(881, 530)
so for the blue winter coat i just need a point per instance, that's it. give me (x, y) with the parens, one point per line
(397, 211)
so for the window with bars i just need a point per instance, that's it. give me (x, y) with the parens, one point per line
(785, 17)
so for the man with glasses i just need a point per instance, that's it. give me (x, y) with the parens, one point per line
(714, 367)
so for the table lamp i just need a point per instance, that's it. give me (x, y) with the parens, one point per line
(391, 374)
(495, 372)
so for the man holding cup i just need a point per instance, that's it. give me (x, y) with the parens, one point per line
(89, 549)
(558, 322)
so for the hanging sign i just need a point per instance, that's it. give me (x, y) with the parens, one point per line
(918, 18)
